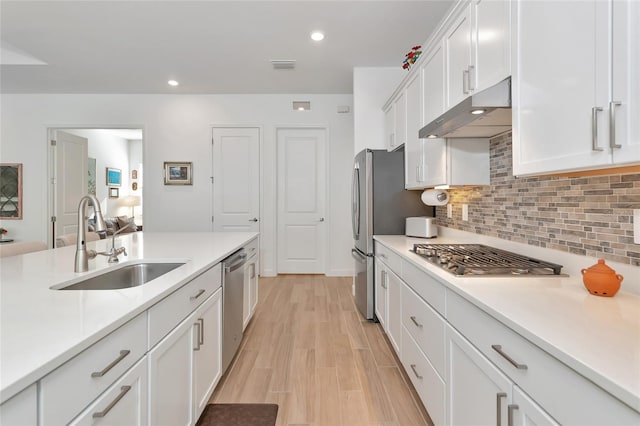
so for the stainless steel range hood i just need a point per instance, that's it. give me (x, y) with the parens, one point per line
(481, 115)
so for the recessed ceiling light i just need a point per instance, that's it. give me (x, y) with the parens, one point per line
(477, 111)
(172, 83)
(317, 36)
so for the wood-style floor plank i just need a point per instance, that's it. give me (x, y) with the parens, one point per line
(310, 351)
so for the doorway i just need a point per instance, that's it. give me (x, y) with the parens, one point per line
(301, 195)
(80, 161)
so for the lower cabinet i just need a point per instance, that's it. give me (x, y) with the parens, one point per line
(523, 411)
(394, 314)
(380, 292)
(124, 403)
(21, 409)
(250, 289)
(186, 365)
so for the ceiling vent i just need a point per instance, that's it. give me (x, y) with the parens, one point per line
(283, 64)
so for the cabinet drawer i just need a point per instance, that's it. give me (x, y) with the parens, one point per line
(425, 379)
(169, 312)
(386, 255)
(566, 395)
(427, 287)
(252, 248)
(124, 403)
(425, 326)
(71, 387)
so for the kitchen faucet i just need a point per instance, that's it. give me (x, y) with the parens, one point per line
(114, 252)
(82, 256)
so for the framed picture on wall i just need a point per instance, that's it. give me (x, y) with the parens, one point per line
(11, 191)
(114, 177)
(178, 173)
(114, 192)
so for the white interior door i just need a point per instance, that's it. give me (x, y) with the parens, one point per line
(70, 180)
(236, 179)
(301, 200)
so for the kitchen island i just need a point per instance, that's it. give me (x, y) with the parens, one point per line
(530, 328)
(41, 328)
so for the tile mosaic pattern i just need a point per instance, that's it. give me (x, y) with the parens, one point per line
(589, 216)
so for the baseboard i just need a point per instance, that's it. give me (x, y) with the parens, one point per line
(340, 273)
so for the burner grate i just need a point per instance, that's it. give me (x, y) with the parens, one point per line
(478, 259)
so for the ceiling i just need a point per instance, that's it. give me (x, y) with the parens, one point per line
(208, 46)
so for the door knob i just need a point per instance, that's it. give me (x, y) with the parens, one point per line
(321, 219)
(255, 219)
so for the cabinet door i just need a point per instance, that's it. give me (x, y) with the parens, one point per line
(124, 403)
(253, 286)
(560, 69)
(491, 43)
(458, 60)
(246, 296)
(170, 373)
(390, 127)
(626, 84)
(207, 354)
(433, 84)
(413, 145)
(523, 411)
(21, 409)
(400, 122)
(380, 295)
(478, 392)
(394, 310)
(434, 162)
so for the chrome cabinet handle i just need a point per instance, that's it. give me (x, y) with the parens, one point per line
(201, 336)
(321, 219)
(465, 81)
(123, 354)
(472, 86)
(198, 294)
(384, 256)
(383, 279)
(416, 322)
(415, 371)
(255, 219)
(498, 348)
(392, 139)
(123, 392)
(253, 270)
(612, 124)
(499, 397)
(198, 342)
(510, 409)
(594, 129)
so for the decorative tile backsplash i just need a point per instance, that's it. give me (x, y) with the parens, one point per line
(590, 216)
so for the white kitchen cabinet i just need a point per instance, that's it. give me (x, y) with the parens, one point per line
(413, 145)
(573, 109)
(490, 43)
(478, 392)
(250, 295)
(395, 123)
(21, 409)
(124, 403)
(523, 411)
(463, 161)
(390, 127)
(394, 310)
(207, 355)
(171, 376)
(433, 84)
(380, 292)
(457, 43)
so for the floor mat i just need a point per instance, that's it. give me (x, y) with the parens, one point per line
(239, 415)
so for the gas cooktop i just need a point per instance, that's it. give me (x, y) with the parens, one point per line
(481, 260)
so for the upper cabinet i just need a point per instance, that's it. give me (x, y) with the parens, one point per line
(457, 43)
(396, 123)
(413, 146)
(574, 108)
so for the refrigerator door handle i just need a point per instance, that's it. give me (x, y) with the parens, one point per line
(358, 256)
(355, 202)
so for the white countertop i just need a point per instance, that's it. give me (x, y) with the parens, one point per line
(599, 337)
(42, 328)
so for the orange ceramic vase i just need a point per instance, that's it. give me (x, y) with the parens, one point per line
(601, 280)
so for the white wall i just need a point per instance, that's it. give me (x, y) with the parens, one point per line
(371, 89)
(178, 128)
(135, 163)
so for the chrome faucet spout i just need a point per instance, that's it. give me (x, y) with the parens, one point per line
(82, 256)
(114, 252)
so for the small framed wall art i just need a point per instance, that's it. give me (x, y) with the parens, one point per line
(178, 173)
(114, 176)
(114, 192)
(11, 191)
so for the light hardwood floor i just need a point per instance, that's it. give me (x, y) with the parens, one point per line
(310, 351)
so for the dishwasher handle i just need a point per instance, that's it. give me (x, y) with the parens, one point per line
(235, 262)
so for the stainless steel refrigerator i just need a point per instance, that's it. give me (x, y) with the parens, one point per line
(379, 206)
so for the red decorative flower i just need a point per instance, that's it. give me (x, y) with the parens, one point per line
(411, 57)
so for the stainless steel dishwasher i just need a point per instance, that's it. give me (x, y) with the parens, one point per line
(232, 299)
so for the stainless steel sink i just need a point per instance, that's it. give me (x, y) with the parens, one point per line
(125, 277)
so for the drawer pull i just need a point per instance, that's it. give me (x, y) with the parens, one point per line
(498, 348)
(198, 294)
(198, 343)
(201, 338)
(416, 322)
(510, 409)
(499, 397)
(415, 371)
(123, 392)
(123, 354)
(384, 280)
(383, 256)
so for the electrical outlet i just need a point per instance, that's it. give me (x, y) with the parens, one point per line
(465, 212)
(449, 211)
(636, 226)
